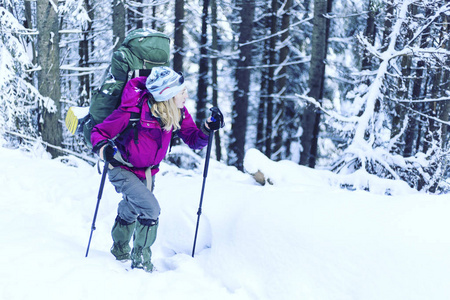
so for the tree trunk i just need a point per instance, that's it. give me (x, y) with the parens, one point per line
(434, 132)
(118, 23)
(311, 116)
(262, 115)
(140, 14)
(388, 23)
(131, 19)
(28, 23)
(214, 75)
(84, 89)
(412, 134)
(178, 42)
(402, 84)
(370, 34)
(271, 78)
(135, 15)
(434, 108)
(281, 122)
(240, 96)
(49, 75)
(445, 111)
(154, 17)
(399, 112)
(403, 92)
(203, 68)
(260, 123)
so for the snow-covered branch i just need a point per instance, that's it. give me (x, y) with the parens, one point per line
(443, 10)
(81, 69)
(331, 114)
(425, 115)
(84, 157)
(279, 33)
(421, 100)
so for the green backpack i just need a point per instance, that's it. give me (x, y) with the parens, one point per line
(141, 50)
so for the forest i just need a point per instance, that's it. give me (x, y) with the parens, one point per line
(358, 87)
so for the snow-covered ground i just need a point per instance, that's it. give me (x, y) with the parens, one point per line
(301, 238)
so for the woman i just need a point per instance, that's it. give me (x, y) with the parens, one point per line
(157, 103)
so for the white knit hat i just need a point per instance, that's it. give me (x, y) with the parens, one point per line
(164, 83)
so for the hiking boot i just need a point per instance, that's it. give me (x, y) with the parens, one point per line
(144, 237)
(121, 234)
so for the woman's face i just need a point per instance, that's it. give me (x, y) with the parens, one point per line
(180, 98)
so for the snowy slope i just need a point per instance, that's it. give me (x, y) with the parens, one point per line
(298, 239)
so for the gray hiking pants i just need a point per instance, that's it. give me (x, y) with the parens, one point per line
(138, 200)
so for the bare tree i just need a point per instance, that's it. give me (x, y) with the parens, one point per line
(371, 150)
(261, 128)
(118, 19)
(49, 74)
(241, 94)
(271, 88)
(135, 14)
(178, 42)
(28, 23)
(84, 89)
(214, 73)
(445, 111)
(203, 67)
(281, 122)
(311, 116)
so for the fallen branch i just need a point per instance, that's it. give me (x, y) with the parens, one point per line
(84, 157)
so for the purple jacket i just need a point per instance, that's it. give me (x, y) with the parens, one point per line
(153, 141)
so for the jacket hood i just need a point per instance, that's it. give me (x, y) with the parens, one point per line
(134, 93)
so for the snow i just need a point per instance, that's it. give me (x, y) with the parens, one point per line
(300, 238)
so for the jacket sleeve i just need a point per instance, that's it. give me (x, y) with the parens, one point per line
(113, 125)
(190, 134)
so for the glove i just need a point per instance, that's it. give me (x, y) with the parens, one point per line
(216, 119)
(109, 150)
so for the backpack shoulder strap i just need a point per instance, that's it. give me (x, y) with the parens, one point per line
(135, 117)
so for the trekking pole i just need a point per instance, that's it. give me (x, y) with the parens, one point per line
(205, 173)
(100, 192)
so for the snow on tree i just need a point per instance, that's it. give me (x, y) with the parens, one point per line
(368, 121)
(19, 99)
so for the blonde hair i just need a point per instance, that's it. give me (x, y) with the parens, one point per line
(168, 112)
